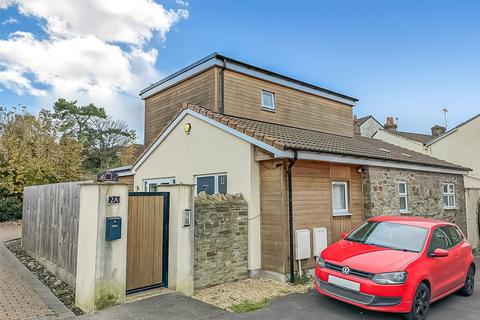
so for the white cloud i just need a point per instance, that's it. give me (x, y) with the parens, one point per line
(19, 84)
(10, 20)
(182, 2)
(93, 50)
(127, 21)
(5, 3)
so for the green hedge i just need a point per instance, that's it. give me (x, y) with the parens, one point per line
(10, 208)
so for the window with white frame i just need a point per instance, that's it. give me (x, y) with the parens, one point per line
(448, 195)
(403, 194)
(214, 183)
(268, 100)
(150, 185)
(340, 198)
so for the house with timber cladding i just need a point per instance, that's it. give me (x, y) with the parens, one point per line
(289, 148)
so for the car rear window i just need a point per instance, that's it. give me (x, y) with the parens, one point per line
(390, 235)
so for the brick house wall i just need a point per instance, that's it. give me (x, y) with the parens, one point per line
(425, 197)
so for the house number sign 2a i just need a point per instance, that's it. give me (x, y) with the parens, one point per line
(113, 199)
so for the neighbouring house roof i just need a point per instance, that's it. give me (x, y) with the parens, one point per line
(418, 137)
(452, 130)
(283, 138)
(222, 61)
(362, 120)
(123, 171)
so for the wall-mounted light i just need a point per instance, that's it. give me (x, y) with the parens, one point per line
(187, 217)
(187, 127)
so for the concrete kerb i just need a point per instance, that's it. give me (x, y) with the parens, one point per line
(61, 312)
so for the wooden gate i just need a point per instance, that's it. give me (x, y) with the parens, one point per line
(147, 242)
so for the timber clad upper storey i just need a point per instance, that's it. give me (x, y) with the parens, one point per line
(234, 88)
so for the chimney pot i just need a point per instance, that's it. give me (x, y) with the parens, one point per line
(390, 125)
(437, 130)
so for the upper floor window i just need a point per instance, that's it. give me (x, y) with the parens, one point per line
(403, 195)
(268, 100)
(340, 198)
(448, 195)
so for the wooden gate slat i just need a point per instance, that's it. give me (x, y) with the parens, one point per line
(145, 240)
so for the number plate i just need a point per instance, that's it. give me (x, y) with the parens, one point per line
(347, 284)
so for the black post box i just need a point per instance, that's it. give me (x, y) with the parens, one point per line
(113, 230)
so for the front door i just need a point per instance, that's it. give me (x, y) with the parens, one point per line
(147, 240)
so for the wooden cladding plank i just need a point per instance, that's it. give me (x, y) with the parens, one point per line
(293, 107)
(161, 107)
(312, 199)
(50, 223)
(145, 241)
(272, 202)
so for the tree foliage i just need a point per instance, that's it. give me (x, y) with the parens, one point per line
(32, 151)
(103, 139)
(66, 144)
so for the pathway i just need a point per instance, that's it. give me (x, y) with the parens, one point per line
(22, 296)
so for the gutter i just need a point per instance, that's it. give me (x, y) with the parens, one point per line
(291, 163)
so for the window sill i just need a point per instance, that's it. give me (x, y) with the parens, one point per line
(267, 109)
(343, 214)
(450, 208)
(405, 212)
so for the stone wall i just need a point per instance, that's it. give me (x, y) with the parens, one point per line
(221, 239)
(424, 194)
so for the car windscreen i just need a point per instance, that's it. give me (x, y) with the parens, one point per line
(390, 235)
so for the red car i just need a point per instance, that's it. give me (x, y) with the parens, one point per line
(397, 264)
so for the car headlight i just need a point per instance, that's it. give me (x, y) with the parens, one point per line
(390, 278)
(320, 262)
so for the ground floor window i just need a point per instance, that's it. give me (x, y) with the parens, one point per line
(340, 198)
(403, 195)
(150, 185)
(214, 183)
(448, 195)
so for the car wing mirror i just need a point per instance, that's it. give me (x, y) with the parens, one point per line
(343, 235)
(439, 253)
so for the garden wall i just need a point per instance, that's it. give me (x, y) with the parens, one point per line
(221, 239)
(50, 227)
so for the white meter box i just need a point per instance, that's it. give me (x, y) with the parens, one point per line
(303, 250)
(319, 240)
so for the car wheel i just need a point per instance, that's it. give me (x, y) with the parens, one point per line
(420, 304)
(467, 289)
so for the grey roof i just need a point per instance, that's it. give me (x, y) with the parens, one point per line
(217, 55)
(362, 120)
(287, 137)
(418, 137)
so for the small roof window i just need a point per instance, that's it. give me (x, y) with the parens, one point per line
(406, 155)
(384, 150)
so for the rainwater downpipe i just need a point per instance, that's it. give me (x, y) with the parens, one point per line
(291, 163)
(222, 87)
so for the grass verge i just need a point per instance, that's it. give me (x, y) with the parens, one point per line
(247, 306)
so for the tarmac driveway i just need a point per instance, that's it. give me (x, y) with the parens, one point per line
(297, 306)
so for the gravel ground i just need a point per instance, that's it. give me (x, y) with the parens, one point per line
(64, 293)
(250, 290)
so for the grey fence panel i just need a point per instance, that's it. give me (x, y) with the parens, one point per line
(50, 223)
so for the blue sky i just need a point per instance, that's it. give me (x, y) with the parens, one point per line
(407, 59)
